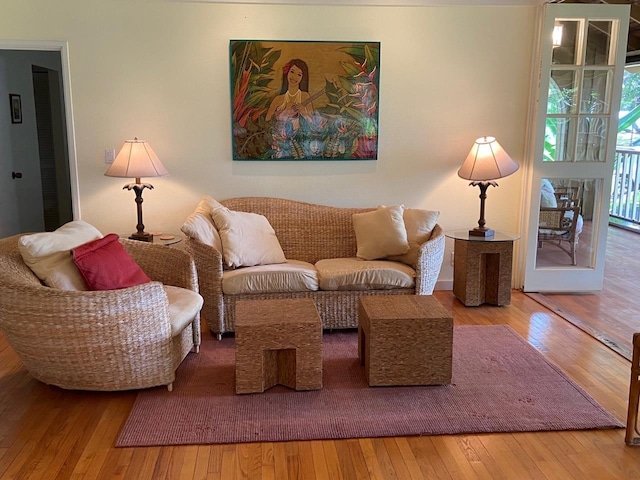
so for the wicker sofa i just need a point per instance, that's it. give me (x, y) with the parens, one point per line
(309, 233)
(99, 340)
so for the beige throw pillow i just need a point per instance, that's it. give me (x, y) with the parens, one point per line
(419, 224)
(199, 225)
(380, 233)
(247, 239)
(48, 254)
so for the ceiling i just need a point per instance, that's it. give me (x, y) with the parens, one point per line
(633, 40)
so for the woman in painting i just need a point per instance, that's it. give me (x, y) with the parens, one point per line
(292, 104)
(293, 100)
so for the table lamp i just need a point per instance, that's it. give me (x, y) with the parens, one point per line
(487, 161)
(136, 159)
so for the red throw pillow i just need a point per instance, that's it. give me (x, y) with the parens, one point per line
(105, 265)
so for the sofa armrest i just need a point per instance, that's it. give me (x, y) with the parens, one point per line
(171, 266)
(429, 262)
(208, 262)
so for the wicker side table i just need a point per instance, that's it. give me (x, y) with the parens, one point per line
(482, 268)
(405, 340)
(278, 342)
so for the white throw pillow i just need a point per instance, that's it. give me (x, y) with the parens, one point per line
(199, 225)
(380, 233)
(247, 239)
(547, 194)
(419, 224)
(48, 254)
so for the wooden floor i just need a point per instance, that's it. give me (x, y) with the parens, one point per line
(46, 432)
(613, 314)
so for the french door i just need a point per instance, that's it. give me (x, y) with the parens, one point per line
(582, 56)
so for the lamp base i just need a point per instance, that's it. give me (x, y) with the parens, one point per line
(482, 232)
(142, 237)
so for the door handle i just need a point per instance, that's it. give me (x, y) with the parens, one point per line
(15, 175)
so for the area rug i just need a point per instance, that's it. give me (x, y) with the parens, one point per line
(500, 384)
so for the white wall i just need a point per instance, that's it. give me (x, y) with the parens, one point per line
(159, 70)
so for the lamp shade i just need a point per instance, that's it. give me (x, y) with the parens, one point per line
(487, 161)
(136, 159)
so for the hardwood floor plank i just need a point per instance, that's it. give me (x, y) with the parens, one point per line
(370, 458)
(454, 458)
(228, 468)
(305, 460)
(333, 463)
(279, 461)
(202, 462)
(142, 463)
(293, 459)
(479, 457)
(347, 469)
(357, 458)
(319, 460)
(384, 458)
(426, 455)
(186, 465)
(408, 458)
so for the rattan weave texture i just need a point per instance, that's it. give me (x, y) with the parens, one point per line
(306, 232)
(102, 340)
(278, 342)
(405, 340)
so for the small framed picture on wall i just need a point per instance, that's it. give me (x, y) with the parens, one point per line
(16, 108)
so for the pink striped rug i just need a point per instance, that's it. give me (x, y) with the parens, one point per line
(500, 384)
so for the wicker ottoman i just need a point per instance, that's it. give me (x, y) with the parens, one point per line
(405, 340)
(278, 342)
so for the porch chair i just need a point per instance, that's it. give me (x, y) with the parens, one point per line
(558, 226)
(569, 196)
(631, 437)
(123, 339)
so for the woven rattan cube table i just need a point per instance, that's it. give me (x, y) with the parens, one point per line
(278, 342)
(405, 340)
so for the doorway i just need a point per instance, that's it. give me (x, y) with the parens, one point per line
(52, 148)
(37, 162)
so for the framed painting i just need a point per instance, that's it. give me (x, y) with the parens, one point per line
(304, 100)
(16, 108)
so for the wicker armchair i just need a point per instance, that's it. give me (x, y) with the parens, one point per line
(558, 226)
(98, 340)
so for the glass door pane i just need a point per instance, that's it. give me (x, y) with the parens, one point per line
(565, 227)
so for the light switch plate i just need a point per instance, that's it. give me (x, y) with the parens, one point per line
(109, 155)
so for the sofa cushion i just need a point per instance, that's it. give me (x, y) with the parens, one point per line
(105, 265)
(48, 254)
(419, 224)
(247, 239)
(199, 224)
(380, 233)
(292, 276)
(184, 305)
(358, 274)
